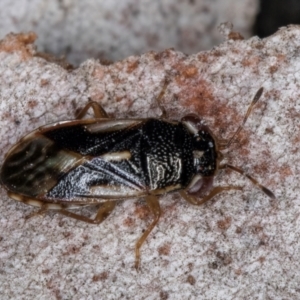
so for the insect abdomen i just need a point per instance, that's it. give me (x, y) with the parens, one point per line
(33, 166)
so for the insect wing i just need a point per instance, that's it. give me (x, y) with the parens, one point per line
(33, 166)
(75, 160)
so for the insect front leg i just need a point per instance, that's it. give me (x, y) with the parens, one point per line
(99, 111)
(215, 191)
(154, 206)
(103, 212)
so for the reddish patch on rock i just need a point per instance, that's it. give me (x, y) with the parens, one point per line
(281, 58)
(164, 250)
(204, 57)
(129, 222)
(251, 61)
(163, 295)
(293, 113)
(44, 82)
(190, 71)
(224, 258)
(295, 141)
(259, 45)
(218, 53)
(72, 249)
(236, 51)
(166, 54)
(142, 211)
(235, 36)
(6, 115)
(238, 271)
(21, 43)
(238, 230)
(32, 104)
(97, 95)
(190, 266)
(199, 95)
(263, 166)
(256, 229)
(273, 69)
(224, 224)
(100, 277)
(191, 280)
(99, 72)
(132, 65)
(67, 234)
(119, 98)
(284, 171)
(243, 152)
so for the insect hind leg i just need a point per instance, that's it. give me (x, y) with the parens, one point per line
(215, 191)
(103, 212)
(154, 206)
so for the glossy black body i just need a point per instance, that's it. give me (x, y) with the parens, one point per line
(76, 161)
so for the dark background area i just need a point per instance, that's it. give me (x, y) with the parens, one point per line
(275, 14)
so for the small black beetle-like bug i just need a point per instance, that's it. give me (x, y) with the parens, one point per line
(71, 164)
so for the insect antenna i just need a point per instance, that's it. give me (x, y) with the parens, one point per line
(226, 144)
(253, 180)
(254, 101)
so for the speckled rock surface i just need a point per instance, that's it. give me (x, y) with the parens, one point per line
(116, 29)
(240, 245)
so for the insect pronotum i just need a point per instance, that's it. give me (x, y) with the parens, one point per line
(82, 162)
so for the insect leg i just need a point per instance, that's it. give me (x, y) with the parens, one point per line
(103, 212)
(253, 180)
(212, 193)
(97, 108)
(153, 204)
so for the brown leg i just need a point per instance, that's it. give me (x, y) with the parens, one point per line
(103, 212)
(253, 180)
(99, 111)
(213, 192)
(153, 204)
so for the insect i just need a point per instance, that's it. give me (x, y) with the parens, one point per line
(84, 162)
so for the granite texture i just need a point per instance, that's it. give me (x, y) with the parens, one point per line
(240, 245)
